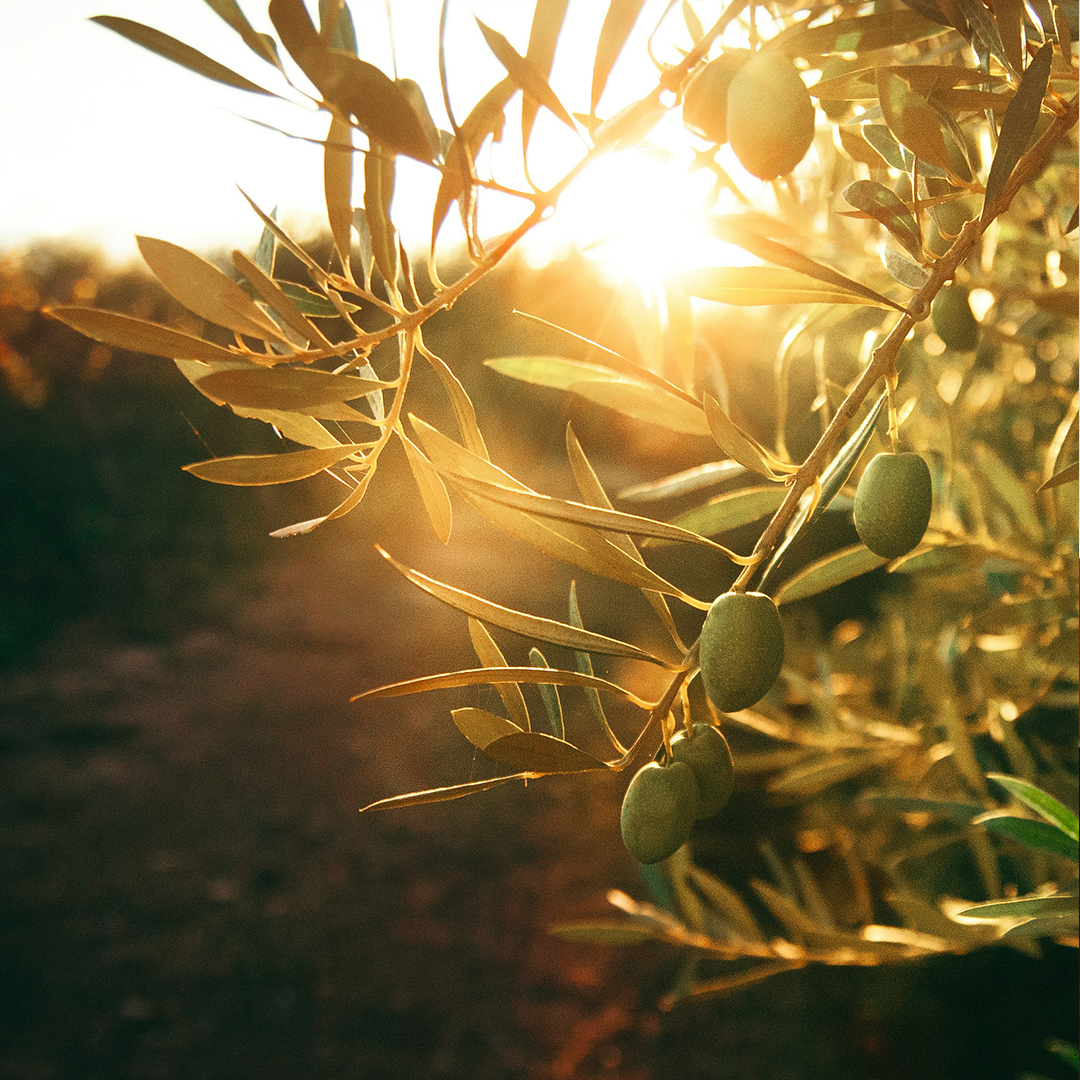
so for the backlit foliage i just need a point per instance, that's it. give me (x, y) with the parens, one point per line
(944, 151)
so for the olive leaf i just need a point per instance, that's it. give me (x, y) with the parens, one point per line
(547, 22)
(583, 662)
(379, 170)
(884, 206)
(618, 23)
(736, 443)
(442, 794)
(276, 298)
(286, 389)
(337, 187)
(490, 655)
(262, 45)
(1042, 802)
(860, 33)
(481, 727)
(759, 285)
(682, 483)
(253, 470)
(1040, 835)
(732, 510)
(178, 52)
(432, 489)
(549, 694)
(349, 503)
(828, 571)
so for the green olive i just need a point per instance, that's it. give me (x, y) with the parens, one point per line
(658, 810)
(704, 108)
(893, 503)
(708, 755)
(742, 649)
(954, 322)
(770, 117)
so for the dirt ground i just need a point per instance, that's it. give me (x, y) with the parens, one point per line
(187, 889)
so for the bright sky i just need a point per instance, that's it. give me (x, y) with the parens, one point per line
(102, 140)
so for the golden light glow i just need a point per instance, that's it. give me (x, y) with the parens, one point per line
(639, 217)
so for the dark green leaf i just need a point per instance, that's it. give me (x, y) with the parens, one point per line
(1040, 835)
(1041, 802)
(1017, 126)
(733, 510)
(828, 571)
(549, 694)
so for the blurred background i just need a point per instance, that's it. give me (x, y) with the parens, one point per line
(186, 887)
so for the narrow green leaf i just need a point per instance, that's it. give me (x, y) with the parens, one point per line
(826, 572)
(884, 206)
(1040, 835)
(253, 470)
(432, 489)
(442, 794)
(1022, 907)
(536, 752)
(481, 727)
(881, 139)
(985, 29)
(757, 286)
(518, 622)
(583, 662)
(913, 804)
(732, 511)
(137, 335)
(618, 23)
(526, 74)
(734, 442)
(1041, 802)
(285, 389)
(1017, 126)
(490, 655)
(549, 694)
(177, 52)
(682, 483)
(494, 676)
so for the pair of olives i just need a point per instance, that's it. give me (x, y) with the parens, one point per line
(758, 103)
(662, 802)
(892, 504)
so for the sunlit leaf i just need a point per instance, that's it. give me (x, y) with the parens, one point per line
(913, 121)
(1067, 475)
(252, 470)
(734, 442)
(861, 34)
(643, 402)
(583, 662)
(494, 676)
(177, 52)
(261, 44)
(547, 21)
(580, 513)
(881, 139)
(733, 510)
(277, 299)
(481, 727)
(534, 751)
(490, 655)
(772, 251)
(461, 403)
(829, 571)
(336, 25)
(902, 270)
(985, 28)
(858, 148)
(378, 195)
(630, 124)
(432, 489)
(755, 286)
(682, 483)
(287, 389)
(337, 187)
(348, 504)
(442, 794)
(357, 89)
(618, 23)
(529, 626)
(883, 205)
(526, 74)
(555, 371)
(1040, 835)
(137, 335)
(1017, 126)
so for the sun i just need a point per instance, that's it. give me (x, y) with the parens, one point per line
(640, 216)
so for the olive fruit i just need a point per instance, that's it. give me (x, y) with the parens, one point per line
(704, 108)
(893, 503)
(708, 755)
(742, 649)
(658, 810)
(953, 319)
(770, 117)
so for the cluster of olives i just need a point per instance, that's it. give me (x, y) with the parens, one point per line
(663, 801)
(893, 503)
(756, 102)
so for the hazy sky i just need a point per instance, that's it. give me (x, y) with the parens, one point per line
(101, 139)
